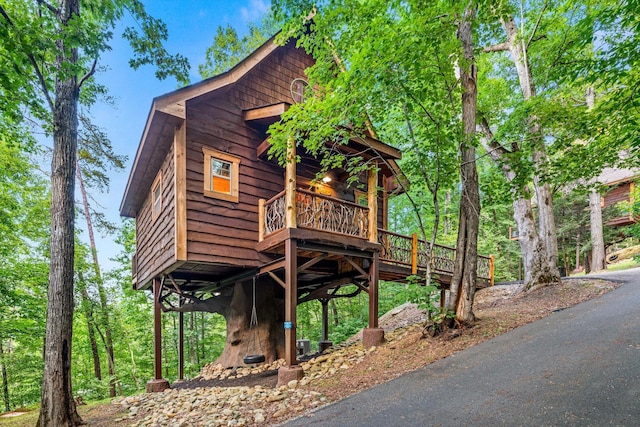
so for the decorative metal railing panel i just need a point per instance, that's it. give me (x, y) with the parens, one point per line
(324, 213)
(443, 258)
(396, 248)
(484, 267)
(274, 214)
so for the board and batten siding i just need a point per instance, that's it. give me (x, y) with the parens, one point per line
(155, 239)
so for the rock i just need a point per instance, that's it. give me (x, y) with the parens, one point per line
(292, 384)
(258, 418)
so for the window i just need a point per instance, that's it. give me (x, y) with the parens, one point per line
(221, 172)
(361, 197)
(156, 196)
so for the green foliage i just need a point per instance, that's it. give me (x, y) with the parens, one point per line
(24, 207)
(228, 48)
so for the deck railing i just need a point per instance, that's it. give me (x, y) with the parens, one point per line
(315, 211)
(323, 213)
(410, 251)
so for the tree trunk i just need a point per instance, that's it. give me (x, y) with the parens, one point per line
(88, 314)
(235, 305)
(57, 405)
(5, 379)
(463, 281)
(544, 196)
(595, 211)
(597, 236)
(104, 308)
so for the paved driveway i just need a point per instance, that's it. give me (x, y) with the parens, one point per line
(580, 366)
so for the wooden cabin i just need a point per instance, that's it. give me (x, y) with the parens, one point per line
(211, 209)
(621, 184)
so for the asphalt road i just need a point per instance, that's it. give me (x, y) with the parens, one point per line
(579, 366)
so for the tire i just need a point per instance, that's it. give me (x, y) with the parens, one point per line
(253, 358)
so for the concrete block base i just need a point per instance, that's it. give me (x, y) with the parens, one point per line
(372, 336)
(323, 345)
(155, 386)
(288, 373)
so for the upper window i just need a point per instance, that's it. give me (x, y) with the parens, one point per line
(156, 196)
(221, 172)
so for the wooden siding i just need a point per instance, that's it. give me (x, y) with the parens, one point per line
(155, 239)
(223, 232)
(617, 194)
(219, 231)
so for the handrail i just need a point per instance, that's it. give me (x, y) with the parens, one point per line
(332, 199)
(404, 250)
(324, 213)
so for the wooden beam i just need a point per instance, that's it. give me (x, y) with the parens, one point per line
(372, 201)
(277, 279)
(180, 186)
(312, 262)
(263, 147)
(373, 291)
(272, 266)
(357, 267)
(290, 185)
(291, 301)
(261, 220)
(273, 111)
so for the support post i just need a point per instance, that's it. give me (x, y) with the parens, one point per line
(373, 335)
(291, 370)
(181, 343)
(492, 269)
(414, 254)
(325, 343)
(372, 202)
(158, 383)
(290, 186)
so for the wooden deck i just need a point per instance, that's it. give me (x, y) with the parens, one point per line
(338, 223)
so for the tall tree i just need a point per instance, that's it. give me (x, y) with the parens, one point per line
(228, 48)
(95, 159)
(463, 281)
(51, 53)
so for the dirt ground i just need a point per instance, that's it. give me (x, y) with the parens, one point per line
(498, 310)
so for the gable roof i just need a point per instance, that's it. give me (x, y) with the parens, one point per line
(168, 111)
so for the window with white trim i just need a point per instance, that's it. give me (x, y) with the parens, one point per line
(221, 175)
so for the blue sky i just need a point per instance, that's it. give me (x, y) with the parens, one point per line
(192, 25)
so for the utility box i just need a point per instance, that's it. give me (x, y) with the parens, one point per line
(304, 347)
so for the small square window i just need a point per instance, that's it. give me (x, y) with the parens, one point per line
(221, 174)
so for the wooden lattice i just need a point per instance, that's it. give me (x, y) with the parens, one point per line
(274, 211)
(327, 214)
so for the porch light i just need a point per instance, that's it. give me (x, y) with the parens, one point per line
(326, 179)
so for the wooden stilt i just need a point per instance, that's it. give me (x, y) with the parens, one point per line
(325, 319)
(373, 291)
(324, 343)
(291, 299)
(158, 383)
(373, 335)
(291, 370)
(181, 343)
